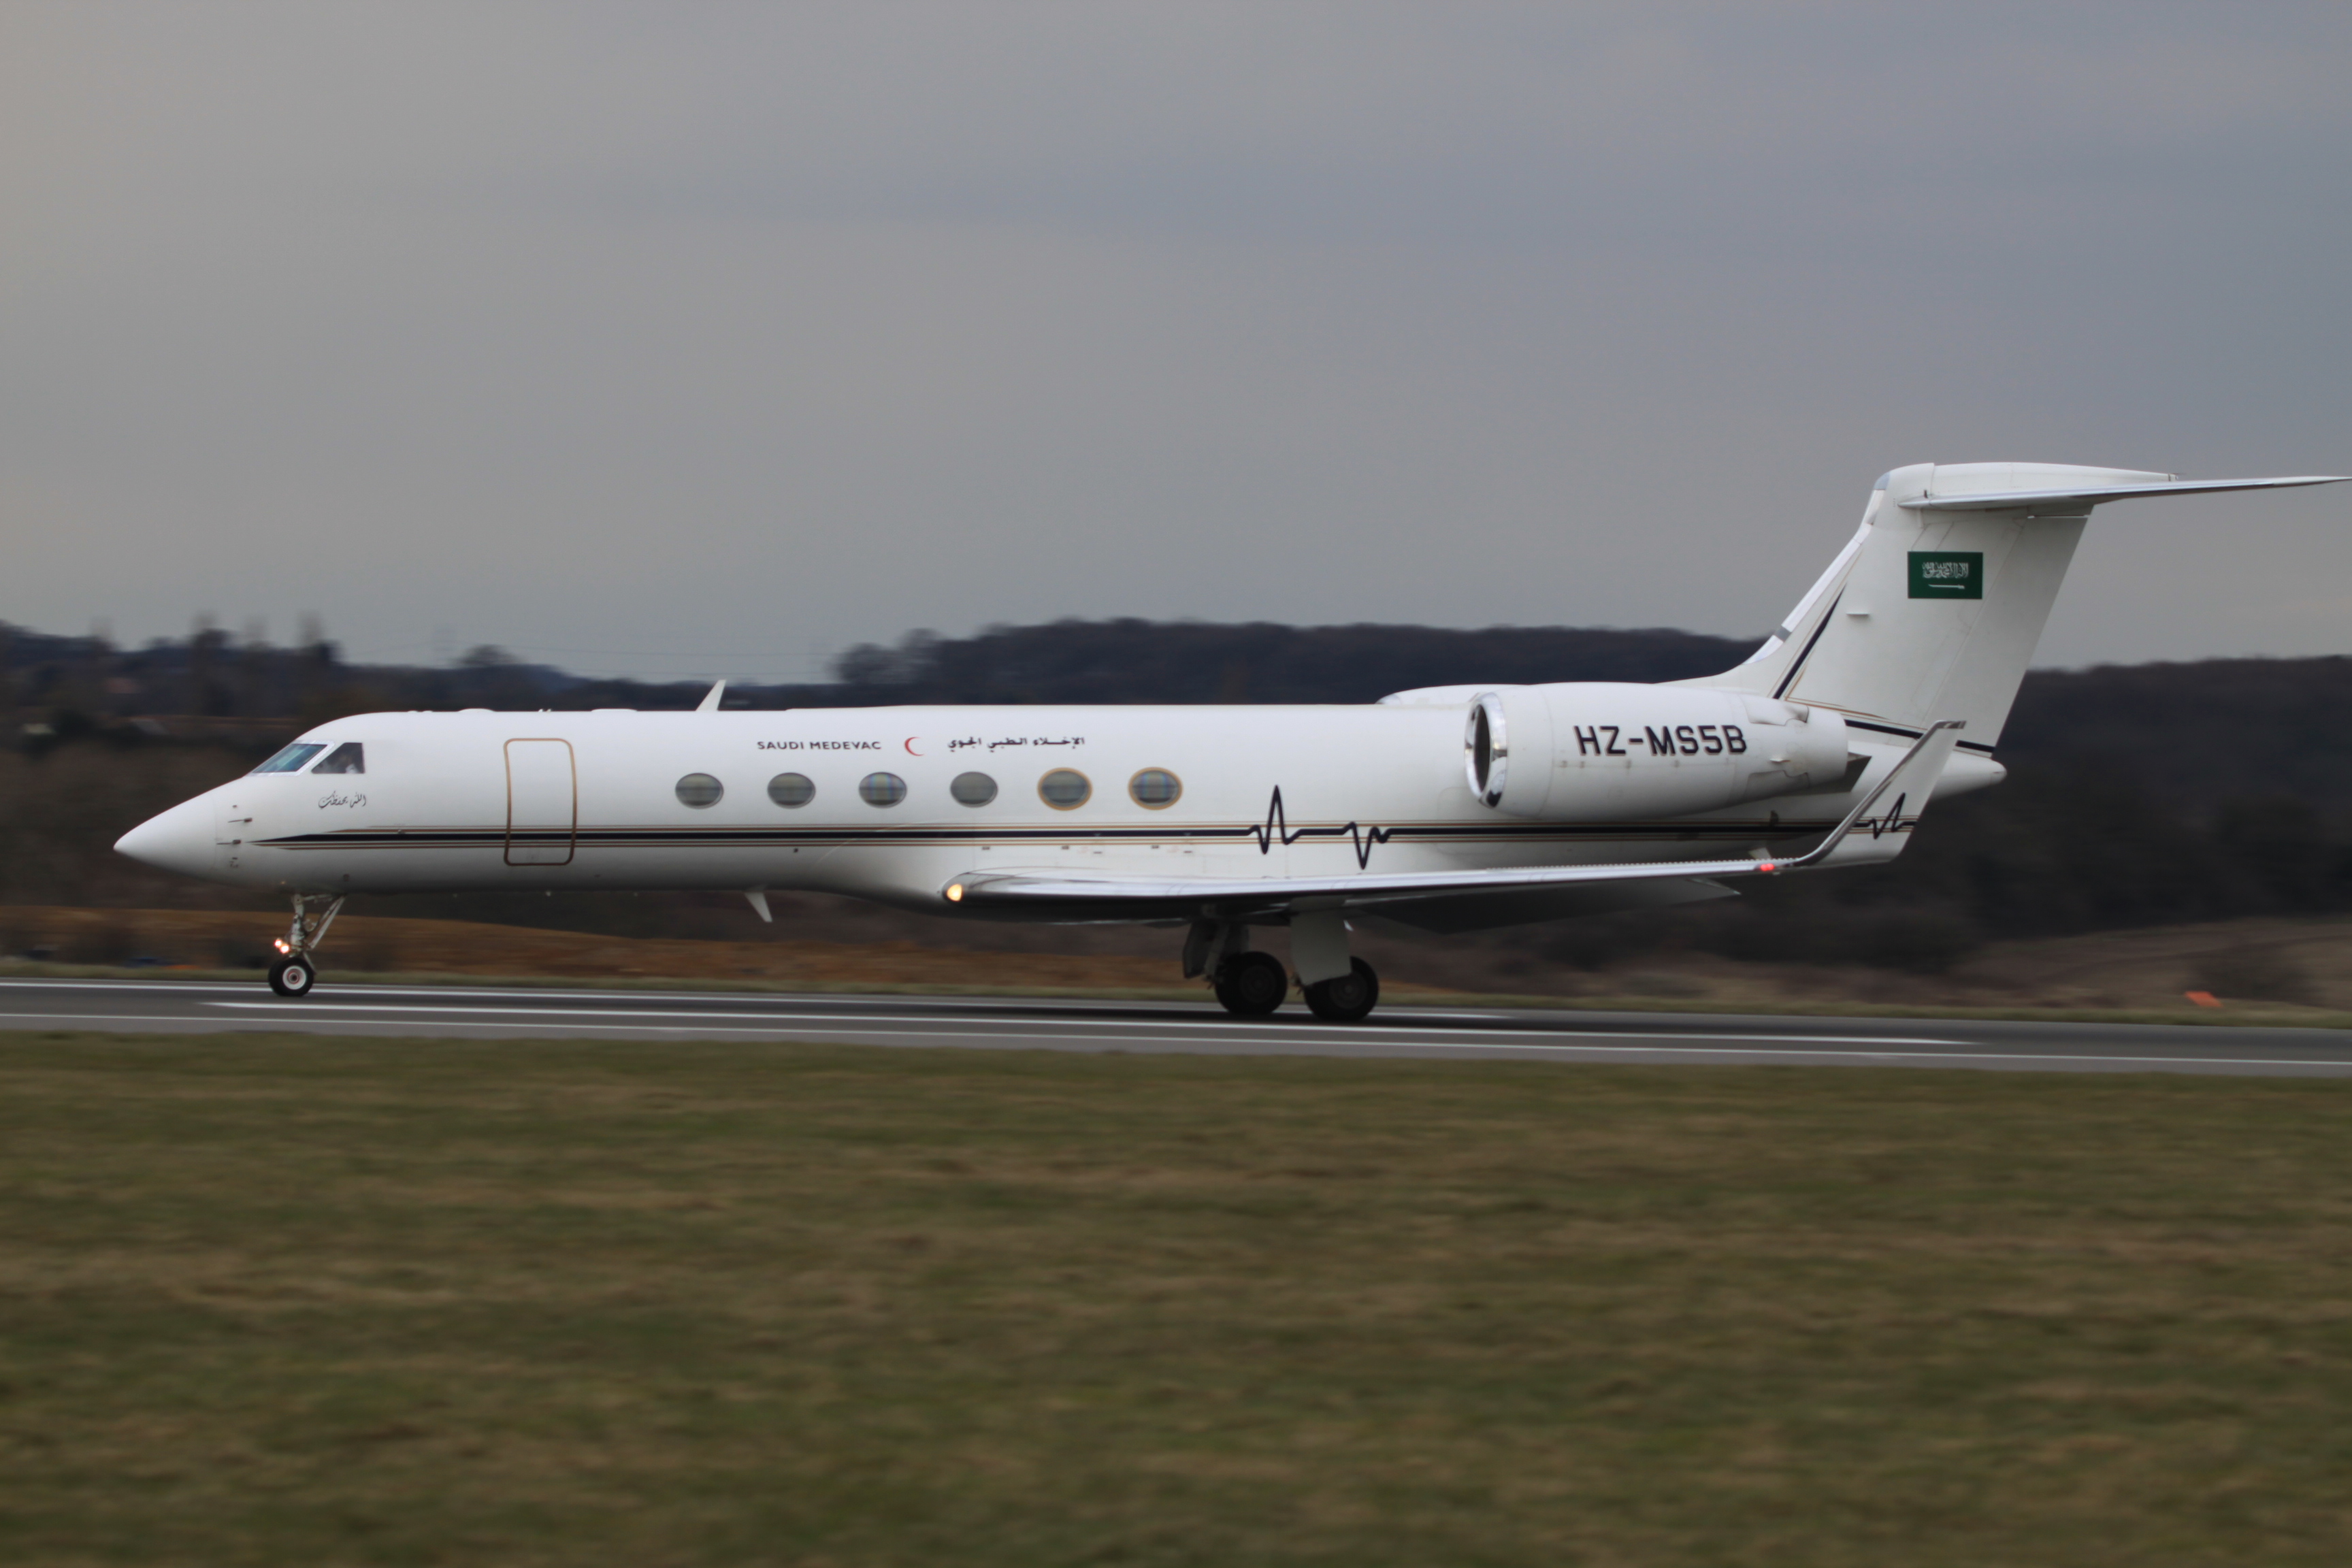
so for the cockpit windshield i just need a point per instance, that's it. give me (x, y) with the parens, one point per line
(292, 759)
(348, 758)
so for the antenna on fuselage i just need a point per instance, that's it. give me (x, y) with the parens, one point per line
(710, 703)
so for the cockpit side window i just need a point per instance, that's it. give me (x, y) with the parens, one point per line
(292, 759)
(349, 757)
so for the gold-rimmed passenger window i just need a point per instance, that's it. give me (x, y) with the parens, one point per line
(1065, 789)
(793, 790)
(699, 790)
(1155, 789)
(972, 789)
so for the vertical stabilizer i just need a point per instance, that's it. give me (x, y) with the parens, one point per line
(1933, 609)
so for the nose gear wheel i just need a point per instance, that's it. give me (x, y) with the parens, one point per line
(294, 974)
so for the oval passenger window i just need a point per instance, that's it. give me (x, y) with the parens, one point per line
(882, 789)
(792, 789)
(973, 789)
(1065, 789)
(1155, 788)
(698, 789)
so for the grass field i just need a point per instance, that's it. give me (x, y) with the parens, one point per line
(281, 1301)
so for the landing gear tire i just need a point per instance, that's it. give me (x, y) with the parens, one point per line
(294, 974)
(292, 977)
(1347, 998)
(1252, 984)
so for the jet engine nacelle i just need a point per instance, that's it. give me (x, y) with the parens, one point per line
(1609, 751)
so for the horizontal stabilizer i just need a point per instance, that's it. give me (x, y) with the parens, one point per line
(2011, 500)
(1907, 784)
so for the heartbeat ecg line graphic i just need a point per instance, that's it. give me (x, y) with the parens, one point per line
(1892, 822)
(1277, 828)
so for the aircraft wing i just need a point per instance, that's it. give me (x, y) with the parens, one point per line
(1037, 893)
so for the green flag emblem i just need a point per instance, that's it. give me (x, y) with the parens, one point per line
(1948, 574)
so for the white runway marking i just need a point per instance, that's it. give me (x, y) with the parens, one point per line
(9, 1020)
(937, 1022)
(552, 993)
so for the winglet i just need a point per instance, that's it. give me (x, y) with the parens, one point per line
(710, 703)
(1916, 774)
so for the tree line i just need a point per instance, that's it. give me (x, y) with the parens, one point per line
(2138, 794)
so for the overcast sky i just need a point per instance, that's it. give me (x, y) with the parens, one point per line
(709, 339)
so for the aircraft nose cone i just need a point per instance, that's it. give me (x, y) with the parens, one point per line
(180, 839)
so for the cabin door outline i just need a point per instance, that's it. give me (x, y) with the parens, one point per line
(542, 802)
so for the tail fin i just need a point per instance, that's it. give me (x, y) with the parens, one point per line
(1933, 609)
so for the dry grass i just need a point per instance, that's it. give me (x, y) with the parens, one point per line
(284, 1301)
(2136, 975)
(2266, 969)
(206, 938)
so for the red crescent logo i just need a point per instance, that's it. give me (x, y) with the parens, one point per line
(910, 747)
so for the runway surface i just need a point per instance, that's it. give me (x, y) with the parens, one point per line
(1492, 1033)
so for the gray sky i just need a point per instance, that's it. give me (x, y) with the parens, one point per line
(710, 340)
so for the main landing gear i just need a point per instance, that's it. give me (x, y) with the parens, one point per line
(293, 974)
(1252, 985)
(1347, 998)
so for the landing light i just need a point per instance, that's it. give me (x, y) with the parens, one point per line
(955, 893)
(282, 945)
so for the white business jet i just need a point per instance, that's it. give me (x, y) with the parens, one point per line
(1446, 809)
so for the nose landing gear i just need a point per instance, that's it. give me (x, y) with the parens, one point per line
(293, 974)
(292, 977)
